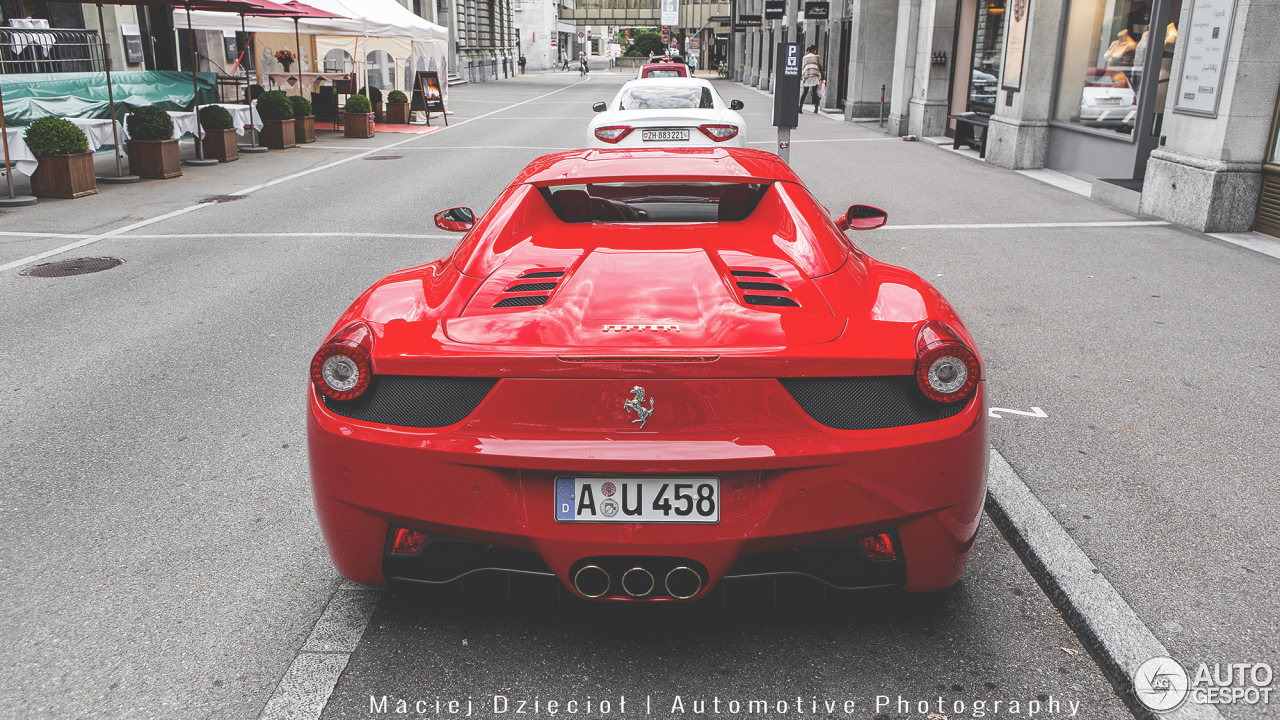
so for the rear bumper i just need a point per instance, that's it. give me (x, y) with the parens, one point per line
(785, 483)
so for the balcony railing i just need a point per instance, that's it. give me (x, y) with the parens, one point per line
(51, 50)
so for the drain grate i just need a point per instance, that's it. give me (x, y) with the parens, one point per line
(67, 268)
(221, 198)
(385, 157)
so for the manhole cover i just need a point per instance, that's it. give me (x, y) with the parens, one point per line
(67, 268)
(384, 157)
(221, 198)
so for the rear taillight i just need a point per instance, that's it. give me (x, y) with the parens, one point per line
(613, 133)
(719, 133)
(342, 368)
(879, 547)
(406, 542)
(946, 369)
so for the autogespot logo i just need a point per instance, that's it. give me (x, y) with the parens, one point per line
(1161, 684)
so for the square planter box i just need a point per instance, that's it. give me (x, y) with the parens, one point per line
(154, 158)
(359, 125)
(398, 113)
(279, 134)
(378, 115)
(220, 145)
(65, 176)
(304, 129)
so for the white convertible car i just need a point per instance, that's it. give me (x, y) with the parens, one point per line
(671, 112)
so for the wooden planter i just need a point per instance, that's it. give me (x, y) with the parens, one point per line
(359, 125)
(220, 145)
(397, 113)
(154, 158)
(65, 176)
(304, 129)
(279, 134)
(378, 115)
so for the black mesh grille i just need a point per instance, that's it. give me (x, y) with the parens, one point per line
(770, 300)
(763, 286)
(751, 273)
(532, 287)
(542, 274)
(867, 403)
(415, 401)
(521, 301)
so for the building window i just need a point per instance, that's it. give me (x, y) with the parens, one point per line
(1104, 63)
(988, 38)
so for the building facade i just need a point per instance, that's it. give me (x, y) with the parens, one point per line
(484, 38)
(1167, 107)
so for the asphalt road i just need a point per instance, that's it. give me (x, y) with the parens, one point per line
(161, 557)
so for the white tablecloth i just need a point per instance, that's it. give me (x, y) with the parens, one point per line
(98, 132)
(185, 123)
(20, 156)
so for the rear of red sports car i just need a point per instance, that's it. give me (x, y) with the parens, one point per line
(646, 373)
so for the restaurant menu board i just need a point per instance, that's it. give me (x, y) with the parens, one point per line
(426, 94)
(1204, 57)
(1015, 46)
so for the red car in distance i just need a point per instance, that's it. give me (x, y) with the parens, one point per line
(663, 70)
(647, 372)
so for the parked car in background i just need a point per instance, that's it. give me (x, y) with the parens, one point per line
(681, 111)
(663, 70)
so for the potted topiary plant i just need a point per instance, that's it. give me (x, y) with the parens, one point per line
(153, 151)
(376, 99)
(277, 120)
(66, 165)
(219, 134)
(397, 108)
(358, 117)
(304, 119)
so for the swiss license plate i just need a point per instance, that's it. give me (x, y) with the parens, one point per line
(649, 500)
(660, 135)
(1108, 101)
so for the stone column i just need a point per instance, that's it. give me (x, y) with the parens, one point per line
(928, 114)
(1019, 132)
(1209, 173)
(904, 65)
(871, 55)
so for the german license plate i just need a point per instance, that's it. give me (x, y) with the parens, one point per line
(648, 500)
(660, 135)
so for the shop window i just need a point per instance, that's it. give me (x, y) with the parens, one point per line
(1104, 63)
(988, 39)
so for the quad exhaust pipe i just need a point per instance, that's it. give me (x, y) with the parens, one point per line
(681, 582)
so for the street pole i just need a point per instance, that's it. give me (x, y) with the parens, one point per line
(12, 200)
(199, 159)
(120, 177)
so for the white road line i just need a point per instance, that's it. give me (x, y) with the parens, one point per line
(61, 236)
(306, 686)
(832, 140)
(468, 147)
(180, 236)
(292, 176)
(1106, 623)
(1005, 226)
(95, 238)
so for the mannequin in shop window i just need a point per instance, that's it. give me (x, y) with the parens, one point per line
(1122, 50)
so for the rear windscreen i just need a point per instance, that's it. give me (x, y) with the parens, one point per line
(663, 73)
(666, 97)
(652, 202)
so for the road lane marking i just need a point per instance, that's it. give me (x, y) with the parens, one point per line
(5, 233)
(180, 236)
(1006, 226)
(305, 688)
(831, 140)
(292, 176)
(1119, 641)
(1035, 412)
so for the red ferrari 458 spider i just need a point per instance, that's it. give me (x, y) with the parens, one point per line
(647, 372)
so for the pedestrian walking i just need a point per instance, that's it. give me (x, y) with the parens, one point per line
(810, 76)
(521, 64)
(583, 67)
(564, 60)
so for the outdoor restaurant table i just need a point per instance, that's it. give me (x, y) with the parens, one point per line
(291, 79)
(20, 156)
(184, 121)
(98, 132)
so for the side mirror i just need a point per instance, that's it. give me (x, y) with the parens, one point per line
(865, 217)
(735, 105)
(459, 219)
(600, 107)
